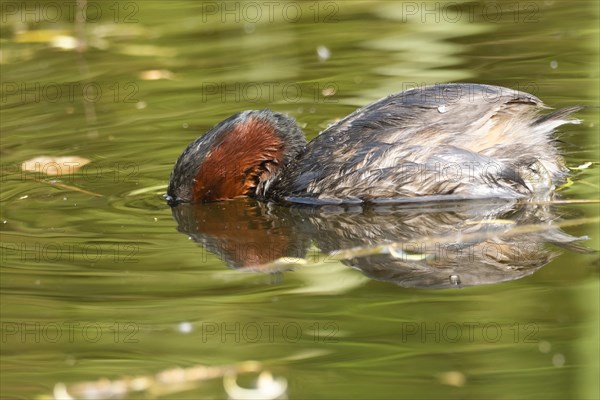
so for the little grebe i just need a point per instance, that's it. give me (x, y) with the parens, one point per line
(451, 141)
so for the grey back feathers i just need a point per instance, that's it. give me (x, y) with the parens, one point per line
(447, 141)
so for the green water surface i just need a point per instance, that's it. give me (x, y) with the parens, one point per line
(96, 281)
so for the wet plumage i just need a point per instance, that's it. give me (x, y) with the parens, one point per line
(452, 141)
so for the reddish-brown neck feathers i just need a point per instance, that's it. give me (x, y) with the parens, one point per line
(250, 153)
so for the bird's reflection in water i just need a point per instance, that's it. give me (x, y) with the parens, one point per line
(435, 245)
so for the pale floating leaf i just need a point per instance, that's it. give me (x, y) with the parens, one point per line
(452, 378)
(54, 166)
(267, 387)
(156, 74)
(40, 35)
(64, 42)
(141, 50)
(60, 392)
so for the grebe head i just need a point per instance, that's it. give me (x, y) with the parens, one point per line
(239, 156)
